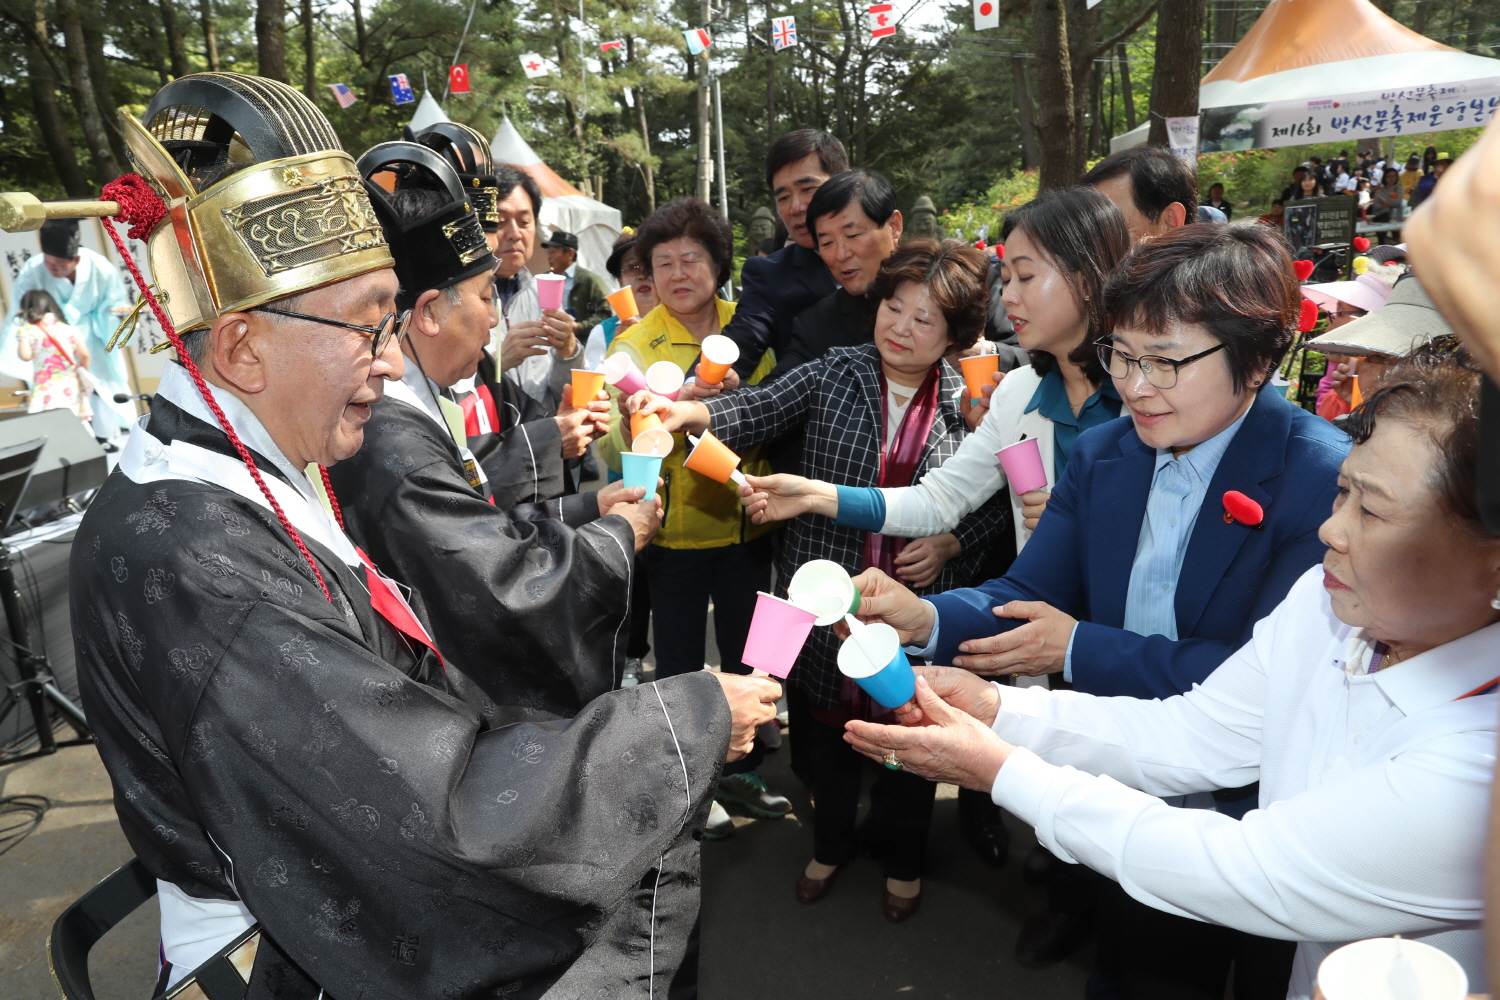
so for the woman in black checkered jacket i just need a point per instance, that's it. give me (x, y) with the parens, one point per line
(880, 414)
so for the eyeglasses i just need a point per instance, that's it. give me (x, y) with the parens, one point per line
(633, 269)
(380, 334)
(1160, 372)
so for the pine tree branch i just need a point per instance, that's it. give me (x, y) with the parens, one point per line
(1130, 29)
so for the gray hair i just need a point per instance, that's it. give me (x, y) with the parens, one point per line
(198, 342)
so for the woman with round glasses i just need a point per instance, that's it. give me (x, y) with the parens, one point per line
(1171, 532)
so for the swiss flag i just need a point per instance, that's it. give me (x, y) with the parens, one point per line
(458, 79)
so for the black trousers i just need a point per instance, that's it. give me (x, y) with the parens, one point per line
(900, 802)
(1146, 954)
(639, 643)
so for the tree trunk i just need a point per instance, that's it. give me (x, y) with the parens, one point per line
(1055, 124)
(156, 48)
(1082, 27)
(1179, 65)
(92, 17)
(1419, 19)
(49, 120)
(1096, 116)
(86, 102)
(1127, 95)
(648, 175)
(210, 36)
(770, 81)
(175, 48)
(309, 54)
(361, 37)
(1025, 115)
(270, 39)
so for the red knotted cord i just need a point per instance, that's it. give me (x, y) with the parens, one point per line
(333, 501)
(143, 208)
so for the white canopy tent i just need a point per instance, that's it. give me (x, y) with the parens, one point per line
(1323, 50)
(563, 206)
(429, 112)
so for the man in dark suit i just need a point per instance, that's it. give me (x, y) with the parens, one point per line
(776, 289)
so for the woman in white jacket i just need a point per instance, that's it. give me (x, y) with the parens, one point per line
(1059, 250)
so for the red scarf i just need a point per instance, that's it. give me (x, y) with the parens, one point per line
(898, 465)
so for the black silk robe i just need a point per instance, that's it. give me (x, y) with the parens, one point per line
(523, 460)
(530, 602)
(391, 838)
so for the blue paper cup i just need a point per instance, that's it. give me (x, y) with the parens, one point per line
(640, 470)
(888, 677)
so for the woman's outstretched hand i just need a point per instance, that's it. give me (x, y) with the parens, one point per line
(959, 688)
(953, 746)
(781, 498)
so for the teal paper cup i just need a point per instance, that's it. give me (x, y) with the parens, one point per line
(640, 470)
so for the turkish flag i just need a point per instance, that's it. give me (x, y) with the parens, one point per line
(458, 79)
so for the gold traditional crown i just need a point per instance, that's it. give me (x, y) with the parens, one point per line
(282, 208)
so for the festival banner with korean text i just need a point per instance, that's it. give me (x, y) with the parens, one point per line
(1393, 112)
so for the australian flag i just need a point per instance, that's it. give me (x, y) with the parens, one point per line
(783, 32)
(401, 90)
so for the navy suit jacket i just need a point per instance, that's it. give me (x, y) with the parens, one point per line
(773, 292)
(1080, 556)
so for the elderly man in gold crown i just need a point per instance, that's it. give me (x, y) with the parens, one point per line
(290, 754)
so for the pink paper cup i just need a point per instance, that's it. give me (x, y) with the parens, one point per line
(778, 631)
(1022, 463)
(665, 378)
(549, 291)
(624, 374)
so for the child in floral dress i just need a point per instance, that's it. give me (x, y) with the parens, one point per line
(56, 353)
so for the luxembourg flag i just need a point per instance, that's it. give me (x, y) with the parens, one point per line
(783, 32)
(343, 94)
(882, 21)
(698, 40)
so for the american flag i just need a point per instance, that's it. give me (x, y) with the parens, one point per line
(783, 32)
(343, 94)
(882, 21)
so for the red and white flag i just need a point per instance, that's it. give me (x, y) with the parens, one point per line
(614, 46)
(458, 79)
(534, 65)
(986, 14)
(698, 40)
(882, 20)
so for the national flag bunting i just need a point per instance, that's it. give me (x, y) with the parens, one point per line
(535, 65)
(986, 14)
(458, 79)
(783, 32)
(614, 46)
(401, 90)
(882, 20)
(343, 94)
(698, 40)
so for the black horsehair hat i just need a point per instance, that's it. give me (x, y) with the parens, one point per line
(469, 156)
(444, 246)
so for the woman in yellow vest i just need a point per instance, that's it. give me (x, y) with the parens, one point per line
(707, 548)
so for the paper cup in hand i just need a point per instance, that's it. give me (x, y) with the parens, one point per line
(778, 631)
(977, 371)
(623, 373)
(640, 422)
(711, 458)
(1391, 969)
(653, 441)
(623, 303)
(549, 291)
(640, 470)
(1022, 463)
(719, 355)
(665, 378)
(823, 587)
(586, 386)
(872, 657)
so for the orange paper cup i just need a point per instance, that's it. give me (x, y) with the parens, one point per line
(719, 355)
(712, 458)
(653, 441)
(586, 386)
(643, 421)
(623, 303)
(977, 371)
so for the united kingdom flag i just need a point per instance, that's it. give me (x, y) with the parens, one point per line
(783, 32)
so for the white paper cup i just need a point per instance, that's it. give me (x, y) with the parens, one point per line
(1391, 969)
(665, 378)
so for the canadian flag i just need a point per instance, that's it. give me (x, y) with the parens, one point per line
(882, 21)
(534, 65)
(458, 79)
(986, 14)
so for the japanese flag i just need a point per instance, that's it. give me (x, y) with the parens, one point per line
(534, 65)
(986, 14)
(458, 79)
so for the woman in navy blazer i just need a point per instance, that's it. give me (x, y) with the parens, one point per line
(1135, 582)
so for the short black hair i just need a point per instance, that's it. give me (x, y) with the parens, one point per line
(804, 142)
(693, 219)
(418, 201)
(38, 303)
(1158, 178)
(877, 199)
(509, 177)
(1278, 201)
(60, 238)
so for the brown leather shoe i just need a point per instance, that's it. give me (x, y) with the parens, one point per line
(898, 908)
(810, 890)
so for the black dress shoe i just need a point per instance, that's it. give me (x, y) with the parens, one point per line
(984, 829)
(1038, 867)
(1049, 937)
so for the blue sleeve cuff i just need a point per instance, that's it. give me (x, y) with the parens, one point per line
(1068, 656)
(928, 651)
(861, 507)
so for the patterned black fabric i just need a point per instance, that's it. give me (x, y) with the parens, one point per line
(266, 745)
(838, 400)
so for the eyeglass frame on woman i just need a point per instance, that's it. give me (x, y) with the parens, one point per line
(1175, 364)
(377, 342)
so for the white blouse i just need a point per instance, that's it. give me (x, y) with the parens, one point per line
(1374, 788)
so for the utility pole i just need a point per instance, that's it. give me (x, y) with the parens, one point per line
(705, 185)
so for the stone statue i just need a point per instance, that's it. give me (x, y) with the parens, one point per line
(762, 227)
(923, 221)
